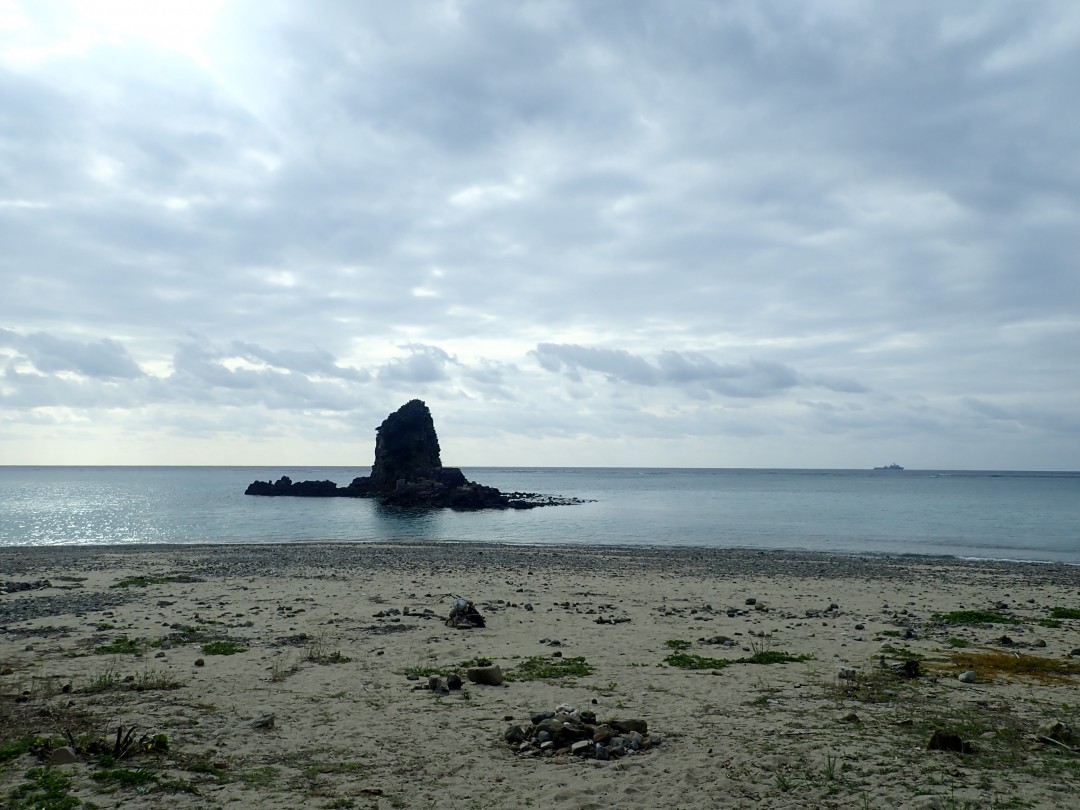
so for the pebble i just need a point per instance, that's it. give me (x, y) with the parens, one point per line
(966, 677)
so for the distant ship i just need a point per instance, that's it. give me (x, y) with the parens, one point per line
(890, 467)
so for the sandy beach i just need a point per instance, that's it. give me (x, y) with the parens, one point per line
(298, 676)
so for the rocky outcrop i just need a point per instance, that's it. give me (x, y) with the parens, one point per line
(408, 472)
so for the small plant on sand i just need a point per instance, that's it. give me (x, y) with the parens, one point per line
(958, 642)
(541, 668)
(1053, 624)
(126, 777)
(1064, 613)
(974, 617)
(222, 647)
(120, 646)
(107, 680)
(677, 644)
(317, 653)
(48, 788)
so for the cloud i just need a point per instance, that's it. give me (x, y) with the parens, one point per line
(559, 218)
(103, 359)
(425, 364)
(690, 370)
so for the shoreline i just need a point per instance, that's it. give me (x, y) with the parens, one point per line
(325, 636)
(20, 558)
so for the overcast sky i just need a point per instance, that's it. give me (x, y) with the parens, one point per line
(610, 232)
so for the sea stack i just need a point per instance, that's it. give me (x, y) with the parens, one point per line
(408, 471)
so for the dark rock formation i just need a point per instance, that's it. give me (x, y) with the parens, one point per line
(408, 471)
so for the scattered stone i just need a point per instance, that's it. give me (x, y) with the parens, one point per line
(850, 717)
(1005, 641)
(750, 600)
(263, 721)
(491, 675)
(453, 681)
(200, 662)
(566, 731)
(966, 677)
(948, 741)
(65, 755)
(515, 735)
(16, 587)
(438, 685)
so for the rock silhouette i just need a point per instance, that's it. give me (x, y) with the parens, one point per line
(408, 471)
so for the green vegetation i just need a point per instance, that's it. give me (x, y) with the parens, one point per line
(900, 652)
(685, 660)
(13, 749)
(974, 617)
(121, 646)
(677, 644)
(773, 657)
(1064, 613)
(222, 647)
(47, 788)
(958, 642)
(541, 668)
(125, 776)
(1053, 624)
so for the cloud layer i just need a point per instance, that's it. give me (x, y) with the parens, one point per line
(731, 234)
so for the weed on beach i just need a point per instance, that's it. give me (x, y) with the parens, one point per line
(1064, 613)
(222, 647)
(120, 646)
(144, 581)
(974, 617)
(541, 668)
(989, 662)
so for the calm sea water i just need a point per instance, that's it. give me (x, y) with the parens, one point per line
(997, 515)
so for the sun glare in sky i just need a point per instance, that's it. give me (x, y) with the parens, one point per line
(177, 25)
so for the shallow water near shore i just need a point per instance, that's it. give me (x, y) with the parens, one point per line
(984, 515)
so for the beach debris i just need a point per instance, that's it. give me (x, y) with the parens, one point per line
(464, 615)
(612, 619)
(948, 741)
(1056, 731)
(64, 755)
(569, 732)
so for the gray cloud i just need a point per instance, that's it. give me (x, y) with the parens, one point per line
(104, 358)
(808, 230)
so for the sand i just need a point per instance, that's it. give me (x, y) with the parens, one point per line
(330, 633)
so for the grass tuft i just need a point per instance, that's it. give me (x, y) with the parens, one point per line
(974, 617)
(541, 668)
(222, 647)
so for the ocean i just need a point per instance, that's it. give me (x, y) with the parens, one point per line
(971, 514)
